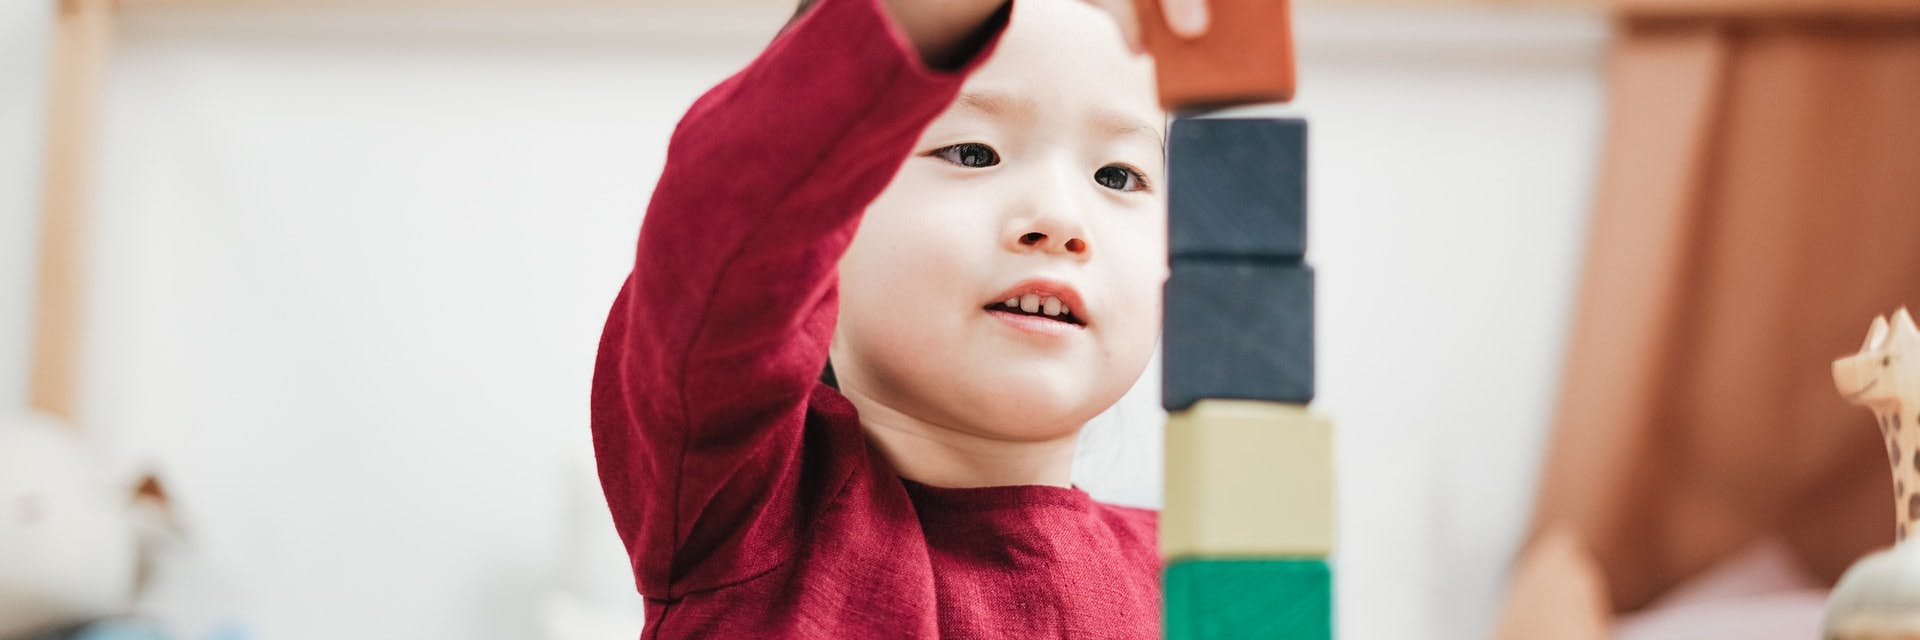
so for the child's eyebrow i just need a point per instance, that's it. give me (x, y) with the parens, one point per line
(1121, 124)
(996, 104)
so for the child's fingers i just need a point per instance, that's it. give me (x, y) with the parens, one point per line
(1129, 21)
(1186, 18)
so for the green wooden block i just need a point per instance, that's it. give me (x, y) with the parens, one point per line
(1283, 599)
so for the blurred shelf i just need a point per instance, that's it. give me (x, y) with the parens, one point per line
(442, 4)
(743, 4)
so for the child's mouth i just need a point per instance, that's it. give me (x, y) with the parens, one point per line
(1031, 307)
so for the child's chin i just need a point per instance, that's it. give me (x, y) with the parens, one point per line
(1034, 395)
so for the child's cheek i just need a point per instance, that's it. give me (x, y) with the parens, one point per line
(1139, 270)
(931, 268)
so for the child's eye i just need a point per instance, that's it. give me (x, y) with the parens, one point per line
(1120, 178)
(969, 154)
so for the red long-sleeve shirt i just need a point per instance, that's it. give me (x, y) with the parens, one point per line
(750, 500)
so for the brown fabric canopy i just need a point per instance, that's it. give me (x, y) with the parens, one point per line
(1758, 205)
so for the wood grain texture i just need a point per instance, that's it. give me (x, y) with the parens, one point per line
(1238, 329)
(1237, 187)
(1248, 479)
(1246, 55)
(1247, 599)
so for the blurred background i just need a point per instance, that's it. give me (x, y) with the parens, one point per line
(345, 265)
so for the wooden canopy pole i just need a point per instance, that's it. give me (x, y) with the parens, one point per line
(81, 42)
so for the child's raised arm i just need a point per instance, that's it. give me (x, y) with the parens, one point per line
(716, 340)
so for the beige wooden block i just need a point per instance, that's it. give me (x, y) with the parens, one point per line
(1248, 479)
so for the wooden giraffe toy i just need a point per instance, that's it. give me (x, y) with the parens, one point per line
(1884, 377)
(1879, 597)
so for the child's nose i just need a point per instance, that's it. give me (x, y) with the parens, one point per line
(1054, 243)
(1050, 215)
(1051, 243)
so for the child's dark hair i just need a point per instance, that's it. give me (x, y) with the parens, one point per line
(799, 10)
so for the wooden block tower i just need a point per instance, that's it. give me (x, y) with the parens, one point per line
(1248, 523)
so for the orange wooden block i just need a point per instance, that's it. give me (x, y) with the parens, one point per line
(1245, 56)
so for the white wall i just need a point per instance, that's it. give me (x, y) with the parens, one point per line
(351, 269)
(1452, 155)
(26, 30)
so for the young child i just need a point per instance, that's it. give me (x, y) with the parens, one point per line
(1003, 168)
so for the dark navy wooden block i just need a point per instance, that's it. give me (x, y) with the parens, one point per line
(1237, 187)
(1237, 329)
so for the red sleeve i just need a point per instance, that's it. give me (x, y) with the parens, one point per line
(719, 334)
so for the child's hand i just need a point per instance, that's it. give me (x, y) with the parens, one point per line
(941, 30)
(1185, 18)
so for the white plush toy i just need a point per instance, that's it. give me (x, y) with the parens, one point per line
(69, 547)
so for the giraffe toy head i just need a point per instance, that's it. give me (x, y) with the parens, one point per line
(1887, 368)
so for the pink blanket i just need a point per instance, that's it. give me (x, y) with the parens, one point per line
(1761, 594)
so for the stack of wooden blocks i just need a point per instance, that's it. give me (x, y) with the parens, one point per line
(1248, 523)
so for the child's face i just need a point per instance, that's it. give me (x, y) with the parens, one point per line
(1046, 177)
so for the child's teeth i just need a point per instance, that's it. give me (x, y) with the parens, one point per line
(1013, 303)
(1030, 303)
(1052, 306)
